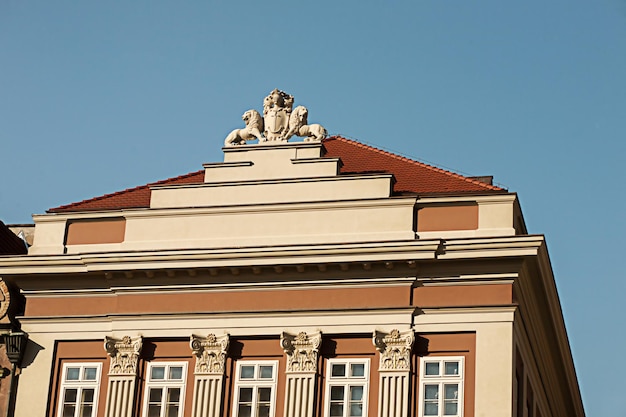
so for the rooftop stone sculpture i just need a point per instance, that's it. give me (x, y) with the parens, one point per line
(278, 124)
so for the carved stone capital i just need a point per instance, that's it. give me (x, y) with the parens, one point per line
(210, 353)
(124, 354)
(302, 351)
(395, 350)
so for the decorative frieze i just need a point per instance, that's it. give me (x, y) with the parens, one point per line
(302, 351)
(210, 353)
(124, 354)
(395, 350)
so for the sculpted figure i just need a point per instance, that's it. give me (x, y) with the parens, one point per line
(298, 126)
(253, 129)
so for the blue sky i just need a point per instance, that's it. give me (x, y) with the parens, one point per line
(96, 97)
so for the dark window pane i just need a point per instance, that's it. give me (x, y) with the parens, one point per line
(247, 372)
(90, 374)
(173, 395)
(336, 393)
(155, 395)
(158, 372)
(245, 395)
(356, 409)
(176, 372)
(73, 374)
(244, 410)
(356, 393)
(172, 410)
(265, 395)
(68, 410)
(266, 372)
(86, 410)
(450, 409)
(431, 409)
(431, 392)
(154, 410)
(70, 395)
(357, 369)
(338, 370)
(87, 395)
(452, 368)
(432, 368)
(336, 410)
(263, 410)
(451, 391)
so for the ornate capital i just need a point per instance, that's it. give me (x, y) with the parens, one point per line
(395, 350)
(210, 353)
(124, 354)
(301, 350)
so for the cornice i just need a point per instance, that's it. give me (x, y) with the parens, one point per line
(365, 254)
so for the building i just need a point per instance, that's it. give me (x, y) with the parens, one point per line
(297, 279)
(11, 337)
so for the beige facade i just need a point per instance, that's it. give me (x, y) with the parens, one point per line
(284, 286)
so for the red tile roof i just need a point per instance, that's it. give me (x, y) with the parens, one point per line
(411, 177)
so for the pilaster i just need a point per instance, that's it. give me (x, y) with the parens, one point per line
(394, 369)
(124, 355)
(302, 352)
(210, 353)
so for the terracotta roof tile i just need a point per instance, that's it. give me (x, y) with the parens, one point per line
(138, 197)
(411, 177)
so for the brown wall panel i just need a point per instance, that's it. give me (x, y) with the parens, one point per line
(448, 344)
(349, 347)
(442, 218)
(463, 295)
(254, 349)
(222, 301)
(84, 232)
(154, 350)
(71, 306)
(78, 351)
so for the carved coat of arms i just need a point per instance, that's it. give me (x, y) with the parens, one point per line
(280, 122)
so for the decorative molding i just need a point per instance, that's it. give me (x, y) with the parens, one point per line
(210, 353)
(395, 350)
(5, 299)
(302, 351)
(124, 354)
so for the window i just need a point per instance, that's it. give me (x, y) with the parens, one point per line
(347, 387)
(165, 389)
(441, 386)
(80, 385)
(255, 389)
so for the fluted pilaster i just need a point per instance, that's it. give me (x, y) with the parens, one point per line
(210, 353)
(394, 369)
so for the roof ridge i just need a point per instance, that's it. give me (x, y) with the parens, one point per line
(425, 165)
(139, 187)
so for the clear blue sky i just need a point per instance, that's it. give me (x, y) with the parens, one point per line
(96, 97)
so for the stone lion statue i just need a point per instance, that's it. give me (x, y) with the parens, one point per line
(253, 129)
(298, 126)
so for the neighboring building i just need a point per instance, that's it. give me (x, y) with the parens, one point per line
(316, 278)
(11, 304)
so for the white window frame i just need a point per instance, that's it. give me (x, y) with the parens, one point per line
(255, 383)
(164, 384)
(80, 385)
(347, 381)
(442, 379)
